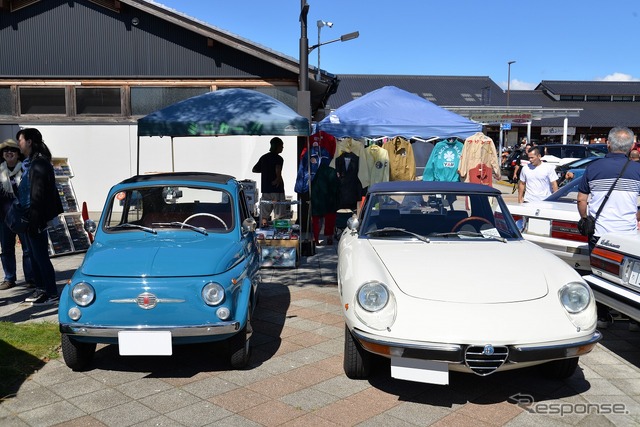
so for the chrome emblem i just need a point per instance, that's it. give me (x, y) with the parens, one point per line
(488, 350)
(147, 300)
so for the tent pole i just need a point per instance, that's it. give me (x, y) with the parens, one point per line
(138, 156)
(173, 160)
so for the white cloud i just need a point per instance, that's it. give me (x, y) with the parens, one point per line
(518, 85)
(618, 77)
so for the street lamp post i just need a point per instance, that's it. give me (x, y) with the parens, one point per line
(321, 24)
(343, 38)
(509, 81)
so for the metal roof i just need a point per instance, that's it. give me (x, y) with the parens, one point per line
(441, 90)
(564, 87)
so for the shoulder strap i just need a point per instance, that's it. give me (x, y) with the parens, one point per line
(611, 189)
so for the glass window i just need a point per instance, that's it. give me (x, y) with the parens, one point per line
(146, 100)
(5, 101)
(96, 100)
(598, 98)
(164, 207)
(42, 100)
(623, 98)
(436, 215)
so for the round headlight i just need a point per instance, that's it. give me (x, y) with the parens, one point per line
(575, 297)
(373, 296)
(213, 293)
(83, 294)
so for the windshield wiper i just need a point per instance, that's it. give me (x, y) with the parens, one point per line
(182, 225)
(402, 230)
(136, 226)
(470, 234)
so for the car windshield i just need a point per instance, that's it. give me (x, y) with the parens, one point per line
(437, 216)
(153, 208)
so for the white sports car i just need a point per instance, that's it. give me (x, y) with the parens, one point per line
(553, 225)
(436, 277)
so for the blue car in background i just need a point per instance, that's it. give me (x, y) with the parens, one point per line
(174, 261)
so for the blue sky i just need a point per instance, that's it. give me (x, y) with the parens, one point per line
(548, 39)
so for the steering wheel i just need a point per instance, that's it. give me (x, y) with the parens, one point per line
(209, 215)
(471, 218)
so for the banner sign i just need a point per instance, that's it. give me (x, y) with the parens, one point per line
(557, 130)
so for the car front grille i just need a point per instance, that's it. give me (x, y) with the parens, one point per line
(484, 360)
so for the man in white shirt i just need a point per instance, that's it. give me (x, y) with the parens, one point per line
(537, 179)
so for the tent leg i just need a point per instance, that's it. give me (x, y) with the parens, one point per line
(138, 156)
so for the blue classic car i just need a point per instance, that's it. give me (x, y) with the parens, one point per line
(174, 261)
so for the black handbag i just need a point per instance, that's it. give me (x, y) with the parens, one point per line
(587, 225)
(16, 218)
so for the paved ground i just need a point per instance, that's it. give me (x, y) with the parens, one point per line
(296, 377)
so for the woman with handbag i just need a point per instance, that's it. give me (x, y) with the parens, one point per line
(10, 177)
(38, 194)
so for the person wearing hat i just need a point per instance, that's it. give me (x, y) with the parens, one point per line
(10, 177)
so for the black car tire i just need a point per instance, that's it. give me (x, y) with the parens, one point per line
(357, 361)
(240, 345)
(560, 369)
(77, 355)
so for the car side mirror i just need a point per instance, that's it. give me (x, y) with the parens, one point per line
(520, 224)
(90, 226)
(249, 225)
(353, 223)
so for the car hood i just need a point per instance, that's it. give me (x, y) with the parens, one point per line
(475, 273)
(144, 257)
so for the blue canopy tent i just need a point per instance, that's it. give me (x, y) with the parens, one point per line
(223, 112)
(390, 111)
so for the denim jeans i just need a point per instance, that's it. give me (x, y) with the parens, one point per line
(8, 255)
(43, 272)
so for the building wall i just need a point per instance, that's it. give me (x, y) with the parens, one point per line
(102, 155)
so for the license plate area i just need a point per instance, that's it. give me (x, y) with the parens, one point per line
(634, 276)
(540, 227)
(144, 343)
(424, 371)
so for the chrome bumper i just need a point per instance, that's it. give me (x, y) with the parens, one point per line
(220, 328)
(454, 353)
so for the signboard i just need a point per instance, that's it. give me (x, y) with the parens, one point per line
(557, 130)
(501, 117)
(506, 126)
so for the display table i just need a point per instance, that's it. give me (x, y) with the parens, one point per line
(279, 241)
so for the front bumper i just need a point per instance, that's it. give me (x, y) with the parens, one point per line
(455, 353)
(96, 331)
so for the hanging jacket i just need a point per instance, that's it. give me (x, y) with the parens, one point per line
(378, 163)
(350, 145)
(479, 160)
(402, 163)
(444, 161)
(347, 165)
(325, 191)
(308, 167)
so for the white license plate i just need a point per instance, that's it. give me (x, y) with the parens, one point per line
(634, 277)
(541, 227)
(144, 343)
(423, 371)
